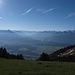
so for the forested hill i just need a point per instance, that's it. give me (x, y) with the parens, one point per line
(64, 54)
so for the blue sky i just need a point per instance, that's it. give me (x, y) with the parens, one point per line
(37, 15)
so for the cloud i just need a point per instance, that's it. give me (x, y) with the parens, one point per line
(70, 15)
(1, 17)
(27, 11)
(49, 10)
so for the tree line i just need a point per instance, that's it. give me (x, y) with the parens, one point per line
(5, 54)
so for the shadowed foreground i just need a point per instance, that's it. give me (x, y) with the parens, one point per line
(23, 67)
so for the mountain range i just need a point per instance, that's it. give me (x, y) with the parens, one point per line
(32, 43)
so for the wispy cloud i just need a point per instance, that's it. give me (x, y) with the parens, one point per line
(1, 17)
(27, 11)
(49, 10)
(70, 15)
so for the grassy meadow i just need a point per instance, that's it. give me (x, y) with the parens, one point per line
(29, 67)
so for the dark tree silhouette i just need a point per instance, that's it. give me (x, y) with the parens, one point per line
(20, 56)
(5, 54)
(44, 57)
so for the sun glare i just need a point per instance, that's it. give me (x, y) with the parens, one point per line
(1, 4)
(0, 1)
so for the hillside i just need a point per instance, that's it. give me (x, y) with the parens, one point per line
(23, 67)
(64, 54)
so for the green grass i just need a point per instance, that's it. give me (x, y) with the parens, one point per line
(22, 67)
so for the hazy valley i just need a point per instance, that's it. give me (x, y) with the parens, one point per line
(31, 43)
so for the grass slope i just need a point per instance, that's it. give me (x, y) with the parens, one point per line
(22, 67)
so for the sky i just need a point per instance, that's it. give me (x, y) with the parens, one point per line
(37, 15)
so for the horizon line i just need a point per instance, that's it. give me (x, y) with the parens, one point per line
(36, 30)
